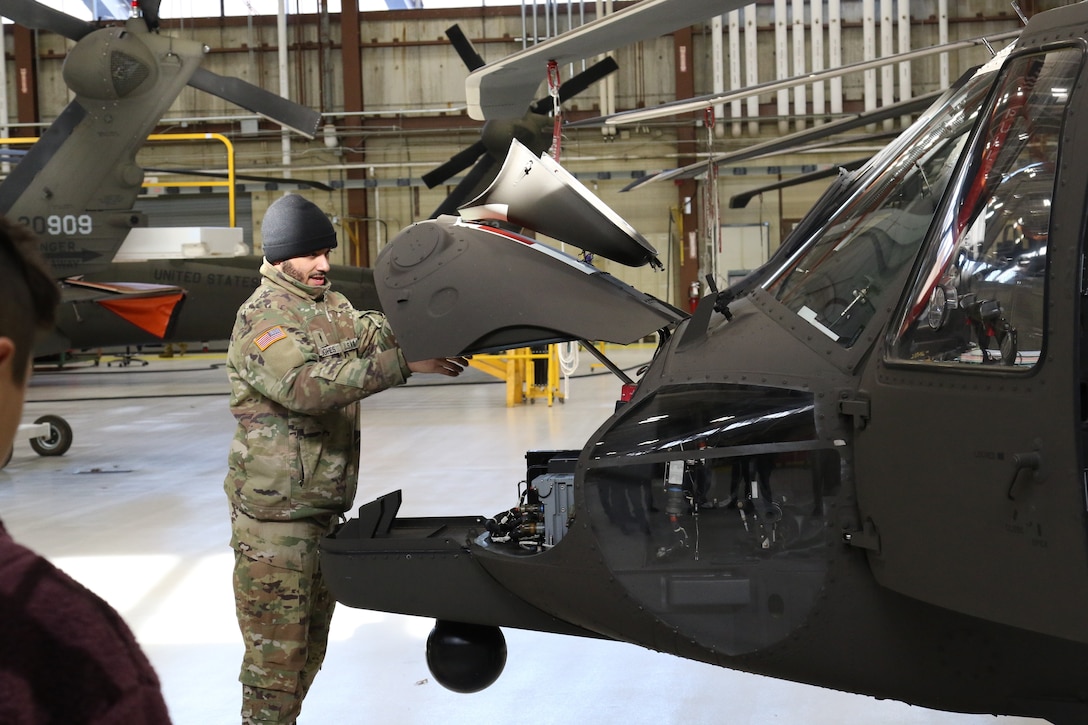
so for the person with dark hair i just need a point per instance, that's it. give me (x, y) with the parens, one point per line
(299, 360)
(29, 306)
(66, 656)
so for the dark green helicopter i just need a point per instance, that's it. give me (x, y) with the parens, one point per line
(77, 187)
(863, 467)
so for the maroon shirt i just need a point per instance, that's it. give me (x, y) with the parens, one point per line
(66, 656)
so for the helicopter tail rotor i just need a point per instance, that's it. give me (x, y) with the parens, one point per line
(487, 154)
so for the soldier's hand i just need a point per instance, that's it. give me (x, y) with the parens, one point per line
(450, 366)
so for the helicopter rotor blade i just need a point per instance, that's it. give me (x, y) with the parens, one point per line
(36, 16)
(588, 77)
(295, 117)
(698, 103)
(577, 83)
(739, 201)
(244, 177)
(504, 88)
(793, 141)
(463, 192)
(582, 81)
(457, 163)
(464, 48)
(150, 11)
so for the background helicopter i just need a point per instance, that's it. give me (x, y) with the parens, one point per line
(861, 468)
(77, 188)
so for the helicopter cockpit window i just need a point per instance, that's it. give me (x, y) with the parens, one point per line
(836, 281)
(980, 294)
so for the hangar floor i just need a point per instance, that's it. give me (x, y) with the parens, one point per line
(135, 511)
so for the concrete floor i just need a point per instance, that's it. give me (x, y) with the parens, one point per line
(135, 510)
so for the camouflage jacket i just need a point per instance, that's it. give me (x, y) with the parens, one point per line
(299, 359)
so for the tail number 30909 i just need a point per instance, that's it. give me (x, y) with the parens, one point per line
(58, 224)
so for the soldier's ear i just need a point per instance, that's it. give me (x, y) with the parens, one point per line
(7, 354)
(9, 364)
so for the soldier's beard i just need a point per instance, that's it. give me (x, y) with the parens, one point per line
(293, 272)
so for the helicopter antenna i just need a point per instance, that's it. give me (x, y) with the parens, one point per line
(1016, 6)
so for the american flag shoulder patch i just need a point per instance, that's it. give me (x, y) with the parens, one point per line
(269, 336)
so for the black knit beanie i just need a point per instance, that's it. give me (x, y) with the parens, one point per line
(294, 227)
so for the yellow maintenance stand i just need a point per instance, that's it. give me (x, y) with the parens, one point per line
(530, 373)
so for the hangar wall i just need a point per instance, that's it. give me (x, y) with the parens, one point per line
(412, 116)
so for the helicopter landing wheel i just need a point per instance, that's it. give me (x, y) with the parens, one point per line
(59, 439)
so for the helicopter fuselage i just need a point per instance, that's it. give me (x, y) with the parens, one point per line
(862, 467)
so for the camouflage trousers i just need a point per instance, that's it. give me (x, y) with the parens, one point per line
(284, 612)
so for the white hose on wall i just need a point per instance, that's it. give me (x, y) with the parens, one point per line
(568, 363)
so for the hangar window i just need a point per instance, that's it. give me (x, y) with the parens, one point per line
(979, 297)
(120, 9)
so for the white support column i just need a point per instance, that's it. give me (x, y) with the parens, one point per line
(818, 98)
(834, 52)
(782, 62)
(717, 62)
(285, 81)
(942, 37)
(868, 41)
(800, 93)
(608, 84)
(887, 48)
(751, 65)
(904, 46)
(735, 109)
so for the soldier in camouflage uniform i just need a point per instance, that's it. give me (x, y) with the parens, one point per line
(300, 359)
